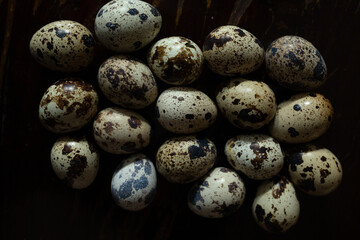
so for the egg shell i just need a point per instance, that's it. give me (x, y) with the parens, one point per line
(219, 194)
(65, 46)
(246, 104)
(185, 110)
(75, 161)
(276, 207)
(68, 105)
(302, 118)
(127, 82)
(127, 26)
(230, 50)
(121, 131)
(294, 63)
(133, 184)
(176, 60)
(258, 156)
(185, 159)
(314, 170)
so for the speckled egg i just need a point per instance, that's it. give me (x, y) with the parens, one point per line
(176, 60)
(65, 46)
(294, 63)
(246, 104)
(219, 194)
(302, 118)
(316, 171)
(185, 110)
(75, 161)
(276, 207)
(230, 50)
(185, 159)
(258, 156)
(127, 82)
(127, 26)
(133, 184)
(121, 131)
(68, 105)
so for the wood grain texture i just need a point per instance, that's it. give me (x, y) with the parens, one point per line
(36, 205)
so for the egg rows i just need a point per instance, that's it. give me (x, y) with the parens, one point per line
(189, 156)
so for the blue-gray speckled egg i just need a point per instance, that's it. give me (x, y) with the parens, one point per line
(133, 184)
(294, 63)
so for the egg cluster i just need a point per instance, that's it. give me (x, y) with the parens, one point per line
(188, 157)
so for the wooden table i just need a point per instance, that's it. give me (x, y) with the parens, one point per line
(36, 205)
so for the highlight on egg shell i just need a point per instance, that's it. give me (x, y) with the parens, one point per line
(127, 82)
(133, 184)
(276, 207)
(246, 104)
(121, 131)
(75, 161)
(185, 159)
(302, 118)
(176, 60)
(185, 110)
(230, 50)
(314, 170)
(218, 194)
(293, 62)
(65, 46)
(127, 26)
(258, 156)
(68, 105)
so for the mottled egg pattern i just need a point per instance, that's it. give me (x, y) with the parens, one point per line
(219, 194)
(276, 207)
(230, 50)
(246, 104)
(295, 63)
(302, 118)
(176, 60)
(316, 171)
(127, 82)
(185, 110)
(258, 156)
(68, 105)
(75, 161)
(65, 46)
(127, 26)
(121, 131)
(133, 185)
(185, 159)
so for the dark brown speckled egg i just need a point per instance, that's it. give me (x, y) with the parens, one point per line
(294, 63)
(64, 46)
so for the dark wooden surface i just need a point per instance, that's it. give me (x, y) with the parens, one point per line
(36, 205)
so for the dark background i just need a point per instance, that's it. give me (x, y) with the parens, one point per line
(36, 205)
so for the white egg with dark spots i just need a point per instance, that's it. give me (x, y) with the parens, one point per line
(185, 110)
(230, 50)
(176, 60)
(121, 131)
(133, 184)
(185, 159)
(294, 63)
(276, 207)
(246, 104)
(258, 156)
(127, 82)
(75, 161)
(68, 105)
(65, 46)
(316, 171)
(219, 194)
(302, 118)
(127, 26)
